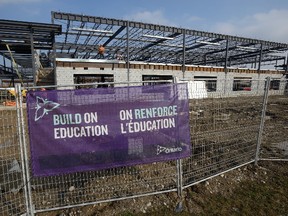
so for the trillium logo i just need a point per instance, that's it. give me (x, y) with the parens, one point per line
(44, 106)
(167, 150)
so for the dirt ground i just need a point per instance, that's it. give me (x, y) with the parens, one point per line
(250, 190)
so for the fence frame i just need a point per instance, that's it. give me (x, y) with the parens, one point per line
(283, 83)
(261, 127)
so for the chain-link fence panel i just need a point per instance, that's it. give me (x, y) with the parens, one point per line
(275, 135)
(90, 187)
(12, 194)
(78, 189)
(224, 129)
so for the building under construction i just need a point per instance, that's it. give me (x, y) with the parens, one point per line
(235, 118)
(66, 52)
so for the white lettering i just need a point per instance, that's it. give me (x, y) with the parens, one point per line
(153, 112)
(90, 117)
(126, 115)
(142, 126)
(85, 131)
(67, 119)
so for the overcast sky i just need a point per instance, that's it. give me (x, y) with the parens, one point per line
(260, 19)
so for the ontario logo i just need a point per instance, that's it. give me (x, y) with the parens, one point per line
(166, 150)
(44, 106)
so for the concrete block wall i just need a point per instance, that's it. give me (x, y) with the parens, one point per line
(65, 75)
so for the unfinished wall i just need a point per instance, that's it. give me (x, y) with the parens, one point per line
(65, 72)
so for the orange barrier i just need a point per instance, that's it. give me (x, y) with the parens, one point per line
(9, 103)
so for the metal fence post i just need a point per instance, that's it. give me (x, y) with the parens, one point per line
(179, 206)
(23, 150)
(18, 96)
(179, 171)
(262, 122)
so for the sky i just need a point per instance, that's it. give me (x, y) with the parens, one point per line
(259, 19)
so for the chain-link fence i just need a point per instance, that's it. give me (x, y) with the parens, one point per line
(12, 183)
(274, 144)
(225, 129)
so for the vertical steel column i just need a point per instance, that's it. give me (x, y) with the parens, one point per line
(286, 68)
(184, 55)
(262, 122)
(12, 67)
(52, 17)
(225, 66)
(286, 76)
(23, 151)
(4, 61)
(33, 58)
(4, 64)
(54, 58)
(226, 55)
(259, 67)
(255, 63)
(127, 53)
(53, 50)
(260, 57)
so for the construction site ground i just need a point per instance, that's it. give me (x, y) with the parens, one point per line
(250, 190)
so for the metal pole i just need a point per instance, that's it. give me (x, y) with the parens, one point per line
(261, 128)
(259, 67)
(52, 17)
(260, 57)
(179, 207)
(127, 53)
(184, 55)
(179, 183)
(179, 178)
(11, 66)
(286, 76)
(54, 58)
(226, 55)
(286, 67)
(53, 50)
(225, 66)
(4, 61)
(33, 59)
(23, 152)
(26, 158)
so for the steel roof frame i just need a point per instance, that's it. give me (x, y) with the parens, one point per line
(23, 38)
(165, 44)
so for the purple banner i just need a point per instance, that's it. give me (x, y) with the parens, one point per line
(93, 129)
